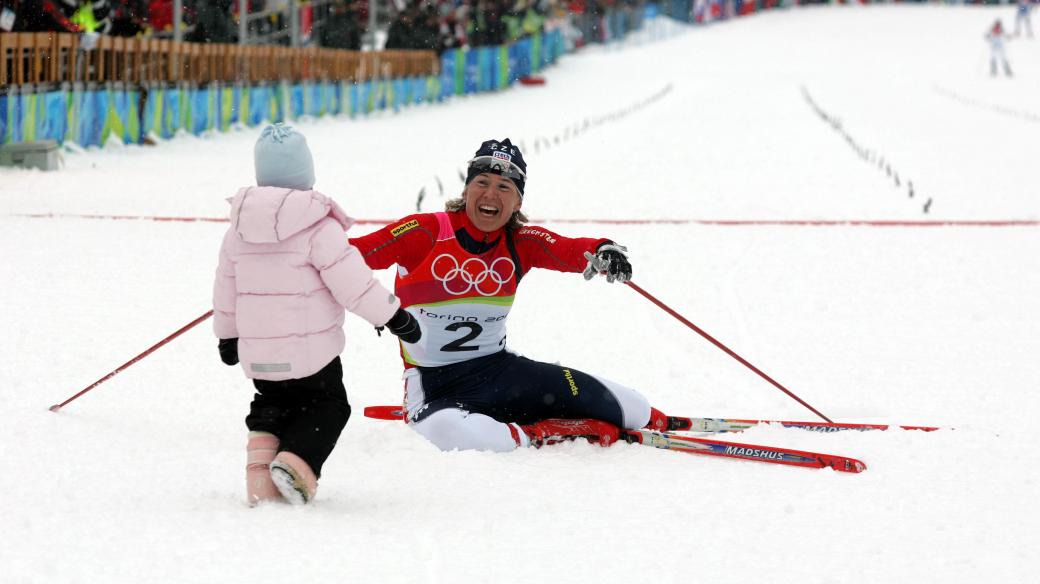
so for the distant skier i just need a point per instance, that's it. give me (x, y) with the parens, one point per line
(996, 37)
(285, 274)
(458, 272)
(1022, 17)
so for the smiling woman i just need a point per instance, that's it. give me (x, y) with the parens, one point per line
(494, 191)
(491, 202)
(458, 272)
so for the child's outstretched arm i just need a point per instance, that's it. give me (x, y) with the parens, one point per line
(349, 278)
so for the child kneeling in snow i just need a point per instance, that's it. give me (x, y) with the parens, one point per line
(286, 272)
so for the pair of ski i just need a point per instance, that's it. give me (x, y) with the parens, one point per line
(669, 439)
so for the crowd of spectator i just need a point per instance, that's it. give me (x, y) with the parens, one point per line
(205, 20)
(413, 24)
(446, 24)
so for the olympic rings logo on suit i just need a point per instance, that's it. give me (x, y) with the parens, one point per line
(471, 274)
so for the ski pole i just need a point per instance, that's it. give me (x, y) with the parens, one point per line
(727, 350)
(147, 352)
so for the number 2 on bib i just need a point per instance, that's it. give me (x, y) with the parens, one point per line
(458, 344)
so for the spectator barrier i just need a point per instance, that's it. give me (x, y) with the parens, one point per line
(53, 88)
(131, 88)
(91, 89)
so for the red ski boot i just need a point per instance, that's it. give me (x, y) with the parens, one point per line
(663, 423)
(555, 430)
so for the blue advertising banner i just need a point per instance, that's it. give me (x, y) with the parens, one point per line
(52, 124)
(85, 116)
(514, 63)
(173, 109)
(279, 102)
(92, 118)
(311, 99)
(552, 46)
(227, 107)
(12, 118)
(448, 73)
(5, 102)
(148, 119)
(118, 115)
(259, 105)
(385, 95)
(199, 118)
(16, 117)
(366, 97)
(338, 91)
(485, 71)
(296, 106)
(324, 99)
(523, 54)
(30, 106)
(471, 77)
(434, 89)
(355, 99)
(401, 91)
(418, 90)
(133, 117)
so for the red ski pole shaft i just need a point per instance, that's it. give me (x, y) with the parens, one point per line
(726, 349)
(147, 352)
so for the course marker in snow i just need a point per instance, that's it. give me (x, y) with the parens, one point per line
(863, 152)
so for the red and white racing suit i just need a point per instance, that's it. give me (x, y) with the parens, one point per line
(463, 388)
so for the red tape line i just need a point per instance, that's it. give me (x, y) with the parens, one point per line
(715, 222)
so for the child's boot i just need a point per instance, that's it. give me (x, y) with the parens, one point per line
(260, 452)
(293, 478)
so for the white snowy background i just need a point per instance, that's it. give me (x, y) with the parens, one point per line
(141, 480)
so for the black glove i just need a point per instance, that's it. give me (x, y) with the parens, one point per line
(610, 259)
(228, 351)
(404, 325)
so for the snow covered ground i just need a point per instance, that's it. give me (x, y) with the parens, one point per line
(140, 480)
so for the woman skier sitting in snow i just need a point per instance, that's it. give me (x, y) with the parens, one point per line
(457, 274)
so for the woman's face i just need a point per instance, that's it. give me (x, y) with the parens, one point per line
(491, 200)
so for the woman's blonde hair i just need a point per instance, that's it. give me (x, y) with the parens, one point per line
(517, 221)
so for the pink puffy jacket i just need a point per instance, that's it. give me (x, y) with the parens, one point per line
(286, 273)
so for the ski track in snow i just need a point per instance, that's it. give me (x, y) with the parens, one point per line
(141, 480)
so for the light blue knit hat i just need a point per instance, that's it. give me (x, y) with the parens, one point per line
(283, 159)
